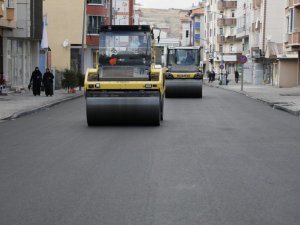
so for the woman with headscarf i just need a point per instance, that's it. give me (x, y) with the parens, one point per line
(36, 81)
(48, 82)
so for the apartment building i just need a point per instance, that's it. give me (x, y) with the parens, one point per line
(242, 34)
(64, 27)
(97, 14)
(21, 25)
(222, 42)
(185, 28)
(291, 67)
(198, 25)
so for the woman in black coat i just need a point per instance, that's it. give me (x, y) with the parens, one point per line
(48, 82)
(36, 81)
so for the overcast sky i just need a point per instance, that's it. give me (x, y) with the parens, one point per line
(165, 4)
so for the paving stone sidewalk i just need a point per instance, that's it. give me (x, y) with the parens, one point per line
(286, 99)
(15, 105)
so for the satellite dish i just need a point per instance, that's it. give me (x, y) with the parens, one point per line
(66, 43)
(269, 37)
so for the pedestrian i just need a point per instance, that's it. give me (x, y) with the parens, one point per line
(48, 82)
(213, 75)
(236, 76)
(226, 77)
(209, 76)
(36, 81)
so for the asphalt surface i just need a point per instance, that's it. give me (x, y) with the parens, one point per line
(221, 160)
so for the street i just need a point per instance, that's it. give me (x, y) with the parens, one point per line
(221, 160)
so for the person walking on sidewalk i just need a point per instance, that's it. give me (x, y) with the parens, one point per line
(36, 81)
(236, 76)
(48, 82)
(213, 76)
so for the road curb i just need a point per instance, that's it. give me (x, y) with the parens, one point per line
(275, 105)
(27, 112)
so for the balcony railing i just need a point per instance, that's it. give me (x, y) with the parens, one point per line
(226, 39)
(294, 39)
(227, 5)
(227, 22)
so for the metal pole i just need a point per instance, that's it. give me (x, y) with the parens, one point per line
(242, 78)
(222, 52)
(82, 40)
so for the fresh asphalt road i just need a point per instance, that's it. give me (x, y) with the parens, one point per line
(222, 160)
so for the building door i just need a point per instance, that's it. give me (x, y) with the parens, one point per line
(76, 59)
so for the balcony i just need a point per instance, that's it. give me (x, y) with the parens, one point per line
(10, 14)
(227, 22)
(226, 39)
(227, 5)
(292, 3)
(294, 39)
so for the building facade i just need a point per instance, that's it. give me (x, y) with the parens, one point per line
(292, 46)
(97, 14)
(64, 27)
(21, 25)
(123, 12)
(222, 43)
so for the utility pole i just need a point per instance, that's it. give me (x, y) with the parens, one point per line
(83, 34)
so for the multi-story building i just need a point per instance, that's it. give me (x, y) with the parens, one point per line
(185, 28)
(198, 25)
(270, 61)
(242, 34)
(65, 31)
(97, 14)
(292, 45)
(222, 42)
(64, 27)
(21, 23)
(123, 12)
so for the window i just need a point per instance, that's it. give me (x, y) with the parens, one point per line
(292, 21)
(231, 48)
(94, 23)
(100, 2)
(10, 4)
(232, 13)
(220, 48)
(221, 31)
(94, 57)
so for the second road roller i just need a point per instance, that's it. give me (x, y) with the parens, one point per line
(122, 89)
(184, 77)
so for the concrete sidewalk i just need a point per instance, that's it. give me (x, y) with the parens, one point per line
(15, 105)
(286, 99)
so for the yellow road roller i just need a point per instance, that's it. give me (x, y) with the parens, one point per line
(184, 77)
(122, 89)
